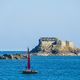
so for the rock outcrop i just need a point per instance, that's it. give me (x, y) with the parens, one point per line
(55, 46)
(13, 56)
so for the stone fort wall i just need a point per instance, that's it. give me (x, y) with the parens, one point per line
(48, 43)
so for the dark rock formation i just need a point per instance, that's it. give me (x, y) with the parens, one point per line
(8, 56)
(36, 49)
(13, 56)
(2, 57)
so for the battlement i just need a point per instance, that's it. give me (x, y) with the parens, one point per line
(48, 39)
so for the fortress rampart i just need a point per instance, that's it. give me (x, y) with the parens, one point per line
(49, 43)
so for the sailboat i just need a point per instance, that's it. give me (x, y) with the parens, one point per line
(28, 69)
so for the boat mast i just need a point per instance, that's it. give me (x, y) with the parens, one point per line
(28, 64)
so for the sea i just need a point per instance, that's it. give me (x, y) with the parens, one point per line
(48, 67)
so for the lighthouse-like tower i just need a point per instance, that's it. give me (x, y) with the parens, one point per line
(28, 69)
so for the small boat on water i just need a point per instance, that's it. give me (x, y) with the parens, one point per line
(28, 70)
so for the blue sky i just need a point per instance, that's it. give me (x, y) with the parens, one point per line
(23, 22)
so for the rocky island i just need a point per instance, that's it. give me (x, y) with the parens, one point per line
(13, 56)
(51, 46)
(48, 46)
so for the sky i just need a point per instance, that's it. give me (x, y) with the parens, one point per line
(23, 22)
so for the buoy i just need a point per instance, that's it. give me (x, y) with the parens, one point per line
(28, 70)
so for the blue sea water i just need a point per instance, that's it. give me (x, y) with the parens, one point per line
(12, 52)
(49, 68)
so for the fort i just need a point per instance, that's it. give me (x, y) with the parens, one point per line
(54, 45)
(47, 43)
(50, 43)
